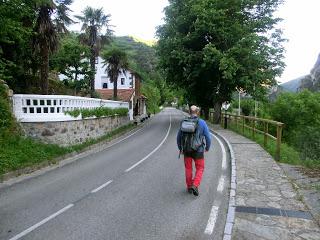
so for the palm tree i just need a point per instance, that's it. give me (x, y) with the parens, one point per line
(46, 39)
(93, 21)
(116, 61)
(62, 19)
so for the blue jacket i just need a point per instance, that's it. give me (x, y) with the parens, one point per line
(204, 131)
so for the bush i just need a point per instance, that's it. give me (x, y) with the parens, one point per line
(98, 112)
(247, 107)
(301, 115)
(7, 122)
(307, 140)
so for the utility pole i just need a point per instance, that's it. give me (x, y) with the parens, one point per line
(240, 91)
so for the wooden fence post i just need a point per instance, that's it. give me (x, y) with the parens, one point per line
(243, 122)
(265, 142)
(279, 133)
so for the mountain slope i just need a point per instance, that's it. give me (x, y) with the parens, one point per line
(293, 85)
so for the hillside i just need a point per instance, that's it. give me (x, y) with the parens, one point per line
(143, 57)
(293, 85)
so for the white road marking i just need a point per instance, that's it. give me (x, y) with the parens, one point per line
(153, 151)
(224, 153)
(221, 184)
(102, 186)
(30, 229)
(212, 220)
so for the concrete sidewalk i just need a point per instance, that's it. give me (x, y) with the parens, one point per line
(267, 206)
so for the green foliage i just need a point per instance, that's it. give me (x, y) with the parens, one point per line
(93, 20)
(211, 47)
(18, 152)
(16, 25)
(247, 107)
(288, 154)
(301, 115)
(72, 60)
(116, 62)
(98, 112)
(7, 122)
(153, 94)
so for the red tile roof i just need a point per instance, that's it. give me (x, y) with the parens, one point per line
(123, 94)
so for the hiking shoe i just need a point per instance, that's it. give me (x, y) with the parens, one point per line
(195, 190)
(190, 190)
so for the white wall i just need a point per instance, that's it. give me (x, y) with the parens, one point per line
(48, 108)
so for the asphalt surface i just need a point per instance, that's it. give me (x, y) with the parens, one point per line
(132, 190)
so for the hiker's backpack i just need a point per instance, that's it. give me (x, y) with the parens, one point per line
(190, 135)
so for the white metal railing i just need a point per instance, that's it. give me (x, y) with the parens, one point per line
(50, 108)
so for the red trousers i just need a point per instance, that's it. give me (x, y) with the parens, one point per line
(199, 163)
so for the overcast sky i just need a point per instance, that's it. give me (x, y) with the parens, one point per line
(301, 26)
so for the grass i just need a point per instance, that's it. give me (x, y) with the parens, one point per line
(18, 152)
(288, 154)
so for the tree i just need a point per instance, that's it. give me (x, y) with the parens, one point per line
(16, 21)
(210, 47)
(116, 62)
(93, 21)
(46, 38)
(72, 60)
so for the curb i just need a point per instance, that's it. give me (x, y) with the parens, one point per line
(232, 196)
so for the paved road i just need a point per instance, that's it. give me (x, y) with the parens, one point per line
(132, 190)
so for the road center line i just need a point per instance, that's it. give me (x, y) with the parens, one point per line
(102, 186)
(221, 184)
(153, 151)
(212, 220)
(30, 229)
(224, 155)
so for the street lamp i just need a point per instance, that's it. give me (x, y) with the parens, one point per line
(240, 91)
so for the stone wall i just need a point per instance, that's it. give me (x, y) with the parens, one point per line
(73, 132)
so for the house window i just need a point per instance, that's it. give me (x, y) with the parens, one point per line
(131, 80)
(105, 85)
(122, 81)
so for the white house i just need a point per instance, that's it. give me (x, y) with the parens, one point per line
(129, 88)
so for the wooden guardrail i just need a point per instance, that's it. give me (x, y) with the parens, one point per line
(241, 123)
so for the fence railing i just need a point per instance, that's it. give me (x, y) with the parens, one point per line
(49, 108)
(256, 125)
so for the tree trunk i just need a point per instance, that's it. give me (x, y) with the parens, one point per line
(93, 70)
(44, 68)
(217, 113)
(115, 88)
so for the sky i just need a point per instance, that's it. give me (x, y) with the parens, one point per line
(301, 25)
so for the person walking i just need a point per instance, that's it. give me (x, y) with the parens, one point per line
(193, 139)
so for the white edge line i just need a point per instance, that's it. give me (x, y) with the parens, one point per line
(30, 229)
(153, 151)
(224, 155)
(212, 220)
(221, 184)
(231, 207)
(102, 186)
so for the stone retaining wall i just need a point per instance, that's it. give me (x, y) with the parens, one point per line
(73, 132)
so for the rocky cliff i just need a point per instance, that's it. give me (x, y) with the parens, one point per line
(312, 81)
